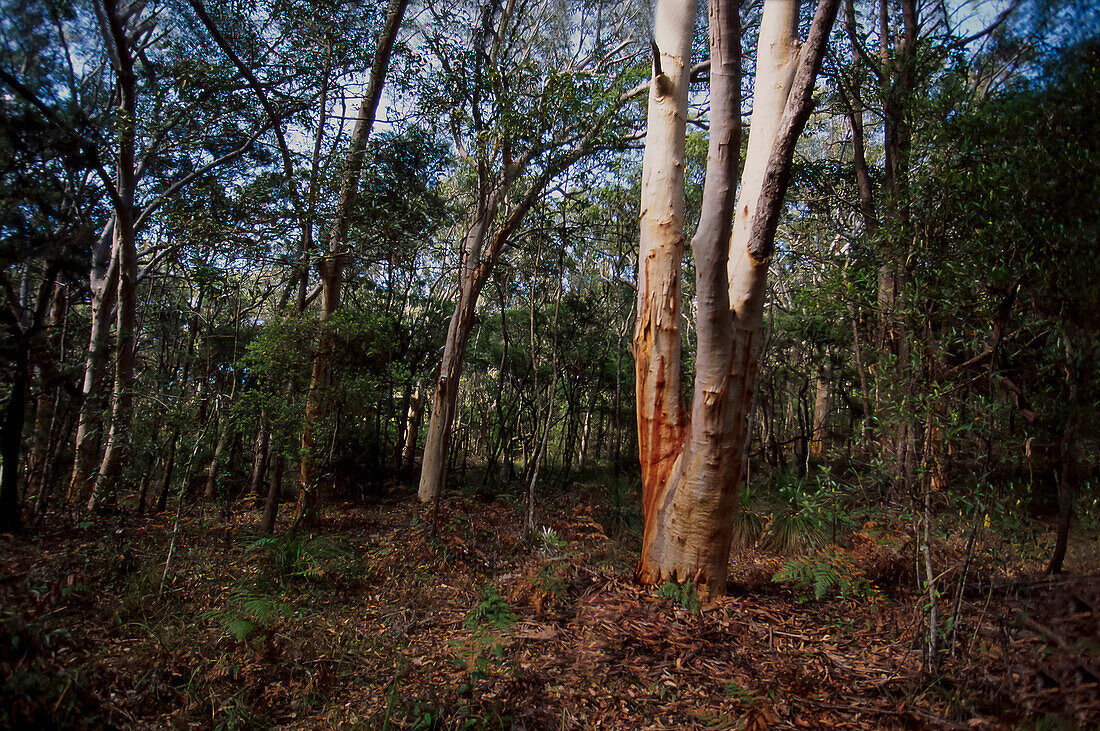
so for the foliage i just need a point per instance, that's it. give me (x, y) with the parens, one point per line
(820, 573)
(491, 610)
(748, 527)
(624, 509)
(683, 594)
(800, 523)
(548, 542)
(246, 612)
(294, 557)
(363, 353)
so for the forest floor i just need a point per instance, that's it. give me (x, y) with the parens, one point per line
(386, 618)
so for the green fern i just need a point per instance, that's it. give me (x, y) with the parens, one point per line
(683, 594)
(240, 629)
(299, 556)
(825, 577)
(826, 572)
(246, 612)
(492, 609)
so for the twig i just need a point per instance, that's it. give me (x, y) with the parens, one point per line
(882, 711)
(1042, 629)
(179, 509)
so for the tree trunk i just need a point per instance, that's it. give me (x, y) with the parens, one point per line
(122, 399)
(48, 400)
(540, 444)
(103, 285)
(495, 188)
(169, 468)
(899, 436)
(11, 435)
(271, 505)
(1066, 473)
(617, 406)
(116, 28)
(433, 473)
(692, 468)
(672, 461)
(861, 371)
(331, 268)
(823, 401)
(210, 490)
(412, 431)
(586, 431)
(402, 426)
(660, 406)
(261, 450)
(433, 470)
(60, 433)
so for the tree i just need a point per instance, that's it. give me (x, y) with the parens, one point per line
(692, 465)
(331, 267)
(43, 173)
(146, 141)
(538, 93)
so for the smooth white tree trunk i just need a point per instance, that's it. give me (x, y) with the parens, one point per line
(692, 467)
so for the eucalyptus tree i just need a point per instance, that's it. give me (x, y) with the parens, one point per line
(692, 465)
(528, 89)
(330, 268)
(45, 219)
(120, 52)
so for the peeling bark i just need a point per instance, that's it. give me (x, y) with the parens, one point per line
(692, 468)
(823, 400)
(660, 406)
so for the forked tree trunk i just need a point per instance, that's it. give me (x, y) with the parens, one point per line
(496, 188)
(480, 253)
(103, 285)
(692, 467)
(122, 399)
(117, 30)
(675, 458)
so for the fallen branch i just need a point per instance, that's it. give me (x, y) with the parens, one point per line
(1043, 630)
